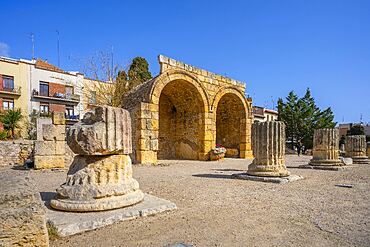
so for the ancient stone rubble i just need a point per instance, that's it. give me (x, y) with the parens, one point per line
(326, 148)
(356, 149)
(22, 214)
(100, 177)
(268, 143)
(50, 151)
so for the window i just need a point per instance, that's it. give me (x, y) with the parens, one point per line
(44, 89)
(8, 83)
(44, 108)
(8, 104)
(93, 97)
(70, 111)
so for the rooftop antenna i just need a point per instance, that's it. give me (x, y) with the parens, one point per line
(58, 48)
(32, 36)
(273, 103)
(112, 66)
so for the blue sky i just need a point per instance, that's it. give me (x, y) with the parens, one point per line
(275, 46)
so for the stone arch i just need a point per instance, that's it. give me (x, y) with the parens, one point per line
(230, 111)
(172, 75)
(182, 105)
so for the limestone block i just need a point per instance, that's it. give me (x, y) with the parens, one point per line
(268, 144)
(60, 147)
(49, 161)
(96, 183)
(146, 157)
(102, 131)
(22, 215)
(39, 123)
(51, 132)
(45, 148)
(356, 149)
(232, 153)
(154, 144)
(326, 148)
(59, 118)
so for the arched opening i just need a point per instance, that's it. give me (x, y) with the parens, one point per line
(181, 124)
(230, 116)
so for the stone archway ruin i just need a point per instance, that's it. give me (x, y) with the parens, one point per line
(174, 115)
(181, 121)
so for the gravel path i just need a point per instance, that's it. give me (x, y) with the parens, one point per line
(214, 210)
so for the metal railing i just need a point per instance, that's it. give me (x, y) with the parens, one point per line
(57, 95)
(72, 117)
(16, 90)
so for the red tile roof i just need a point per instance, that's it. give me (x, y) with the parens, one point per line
(47, 66)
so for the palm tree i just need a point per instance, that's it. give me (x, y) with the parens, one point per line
(10, 120)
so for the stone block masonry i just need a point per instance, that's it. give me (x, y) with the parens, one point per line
(184, 111)
(50, 151)
(15, 152)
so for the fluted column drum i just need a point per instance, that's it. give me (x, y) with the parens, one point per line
(326, 148)
(268, 143)
(100, 177)
(356, 149)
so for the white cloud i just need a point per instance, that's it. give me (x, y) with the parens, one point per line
(4, 49)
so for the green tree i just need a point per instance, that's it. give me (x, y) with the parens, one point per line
(121, 87)
(10, 120)
(301, 117)
(138, 72)
(356, 129)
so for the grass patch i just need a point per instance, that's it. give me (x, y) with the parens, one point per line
(52, 230)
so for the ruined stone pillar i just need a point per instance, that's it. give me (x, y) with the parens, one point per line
(326, 148)
(268, 143)
(100, 177)
(356, 149)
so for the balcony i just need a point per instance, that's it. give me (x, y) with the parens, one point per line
(57, 97)
(15, 91)
(72, 118)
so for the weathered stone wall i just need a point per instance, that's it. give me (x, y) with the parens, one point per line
(22, 216)
(195, 94)
(15, 152)
(228, 123)
(180, 122)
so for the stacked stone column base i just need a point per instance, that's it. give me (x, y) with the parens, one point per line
(326, 149)
(100, 177)
(98, 183)
(269, 149)
(267, 171)
(356, 149)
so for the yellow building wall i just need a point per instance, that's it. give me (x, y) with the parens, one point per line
(20, 72)
(104, 93)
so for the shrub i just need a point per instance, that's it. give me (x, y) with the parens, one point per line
(3, 134)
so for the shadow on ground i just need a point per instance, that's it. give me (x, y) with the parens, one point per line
(228, 170)
(46, 197)
(212, 176)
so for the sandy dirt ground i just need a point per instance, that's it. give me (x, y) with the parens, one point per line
(215, 210)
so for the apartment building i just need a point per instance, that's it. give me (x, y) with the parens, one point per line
(36, 86)
(54, 90)
(262, 114)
